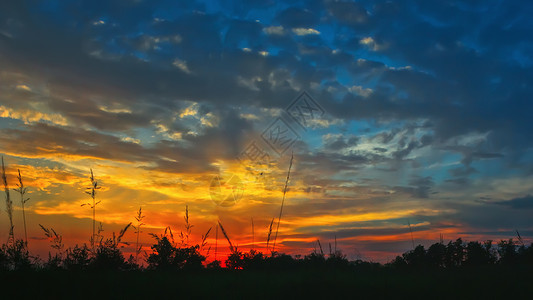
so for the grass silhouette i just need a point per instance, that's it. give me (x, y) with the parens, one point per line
(9, 204)
(91, 191)
(139, 218)
(22, 191)
(282, 203)
(466, 267)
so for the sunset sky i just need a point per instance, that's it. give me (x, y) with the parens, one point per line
(421, 113)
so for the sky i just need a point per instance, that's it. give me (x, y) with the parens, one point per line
(396, 114)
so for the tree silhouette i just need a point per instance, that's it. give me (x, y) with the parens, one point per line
(507, 252)
(478, 254)
(436, 254)
(455, 252)
(416, 257)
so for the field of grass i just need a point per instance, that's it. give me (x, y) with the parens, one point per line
(479, 283)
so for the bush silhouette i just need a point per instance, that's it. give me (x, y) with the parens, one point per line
(77, 258)
(168, 257)
(54, 262)
(254, 260)
(337, 260)
(315, 260)
(15, 257)
(189, 258)
(214, 265)
(108, 257)
(163, 256)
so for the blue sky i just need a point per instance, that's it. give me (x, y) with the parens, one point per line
(427, 111)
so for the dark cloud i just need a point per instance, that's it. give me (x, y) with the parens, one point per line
(462, 181)
(298, 18)
(341, 142)
(196, 55)
(419, 187)
(525, 202)
(351, 13)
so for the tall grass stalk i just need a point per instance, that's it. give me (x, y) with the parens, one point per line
(232, 249)
(253, 234)
(282, 202)
(269, 233)
(22, 191)
(98, 236)
(216, 241)
(204, 238)
(168, 231)
(9, 205)
(55, 239)
(91, 191)
(204, 242)
(139, 217)
(320, 246)
(519, 237)
(188, 225)
(118, 239)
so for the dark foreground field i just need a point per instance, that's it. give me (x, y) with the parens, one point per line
(480, 283)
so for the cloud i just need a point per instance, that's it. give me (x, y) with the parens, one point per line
(305, 31)
(31, 116)
(23, 87)
(339, 142)
(182, 65)
(275, 30)
(419, 187)
(371, 43)
(348, 12)
(359, 90)
(525, 202)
